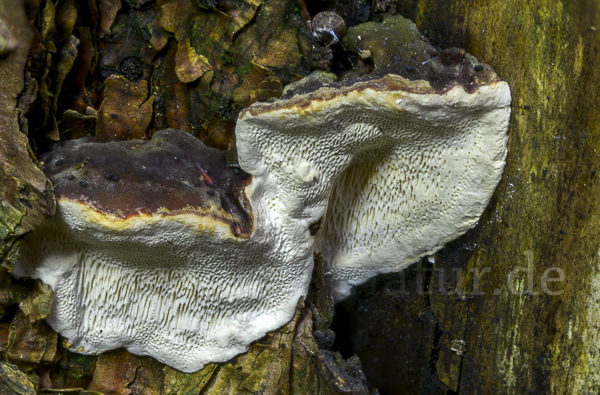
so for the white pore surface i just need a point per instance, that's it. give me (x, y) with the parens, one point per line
(169, 287)
(395, 174)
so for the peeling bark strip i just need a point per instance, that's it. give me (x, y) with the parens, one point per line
(126, 111)
(25, 193)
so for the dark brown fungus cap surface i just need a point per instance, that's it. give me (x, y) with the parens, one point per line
(174, 173)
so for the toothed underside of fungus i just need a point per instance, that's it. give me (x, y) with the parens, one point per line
(403, 168)
(154, 289)
(156, 264)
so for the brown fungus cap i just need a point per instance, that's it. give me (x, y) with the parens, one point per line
(174, 173)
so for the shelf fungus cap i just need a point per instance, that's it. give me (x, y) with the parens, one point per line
(395, 167)
(155, 247)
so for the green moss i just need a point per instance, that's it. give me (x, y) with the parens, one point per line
(395, 36)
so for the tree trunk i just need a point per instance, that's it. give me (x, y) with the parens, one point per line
(523, 333)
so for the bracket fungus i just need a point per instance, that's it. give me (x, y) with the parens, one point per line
(160, 252)
(168, 252)
(393, 168)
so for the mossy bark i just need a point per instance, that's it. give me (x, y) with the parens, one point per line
(520, 337)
